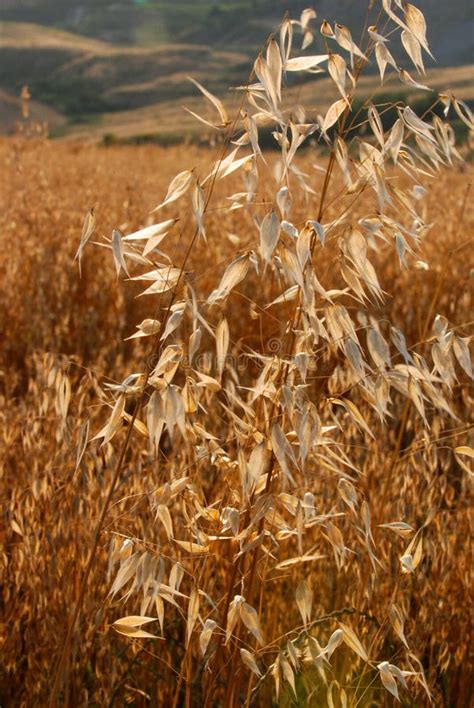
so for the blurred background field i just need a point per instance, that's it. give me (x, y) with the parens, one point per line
(57, 327)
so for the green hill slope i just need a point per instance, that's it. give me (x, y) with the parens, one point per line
(88, 60)
(244, 23)
(82, 77)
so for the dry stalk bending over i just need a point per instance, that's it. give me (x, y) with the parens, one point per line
(281, 420)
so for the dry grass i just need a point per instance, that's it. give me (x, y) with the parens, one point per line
(85, 320)
(204, 490)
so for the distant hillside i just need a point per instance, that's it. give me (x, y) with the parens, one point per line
(79, 76)
(87, 60)
(243, 23)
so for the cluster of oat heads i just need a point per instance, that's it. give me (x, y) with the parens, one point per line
(249, 455)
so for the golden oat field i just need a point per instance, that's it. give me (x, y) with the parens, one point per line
(236, 405)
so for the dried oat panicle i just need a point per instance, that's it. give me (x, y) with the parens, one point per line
(286, 463)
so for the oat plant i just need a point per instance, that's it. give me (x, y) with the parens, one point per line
(289, 433)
